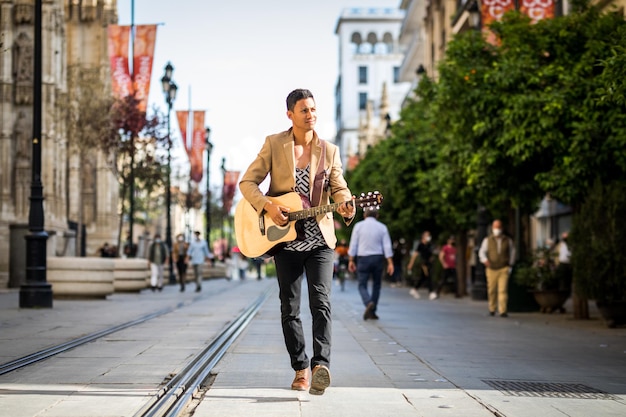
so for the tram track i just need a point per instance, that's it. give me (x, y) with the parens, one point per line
(44, 354)
(179, 393)
(49, 352)
(176, 395)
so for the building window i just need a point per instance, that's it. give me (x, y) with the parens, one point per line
(362, 75)
(396, 75)
(362, 101)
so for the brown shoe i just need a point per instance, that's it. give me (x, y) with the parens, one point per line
(320, 380)
(301, 381)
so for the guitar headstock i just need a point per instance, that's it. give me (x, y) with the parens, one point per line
(370, 200)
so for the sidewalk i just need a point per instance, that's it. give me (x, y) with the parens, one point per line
(445, 357)
(427, 358)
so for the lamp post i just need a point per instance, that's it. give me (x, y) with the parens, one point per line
(36, 292)
(209, 148)
(169, 90)
(479, 287)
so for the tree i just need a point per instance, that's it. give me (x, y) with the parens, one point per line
(141, 139)
(555, 121)
(88, 115)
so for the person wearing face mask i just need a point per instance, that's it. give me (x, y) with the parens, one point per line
(179, 256)
(424, 251)
(497, 253)
(158, 255)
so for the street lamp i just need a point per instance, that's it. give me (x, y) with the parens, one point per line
(169, 90)
(474, 15)
(36, 292)
(209, 147)
(479, 287)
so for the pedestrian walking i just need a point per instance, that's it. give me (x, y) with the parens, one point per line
(198, 253)
(370, 248)
(399, 253)
(240, 263)
(179, 256)
(497, 253)
(447, 258)
(294, 159)
(424, 251)
(341, 263)
(158, 255)
(257, 263)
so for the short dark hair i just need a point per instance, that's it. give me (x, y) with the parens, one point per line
(370, 212)
(297, 95)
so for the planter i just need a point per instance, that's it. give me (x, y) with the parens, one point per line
(216, 271)
(551, 300)
(613, 312)
(80, 278)
(130, 274)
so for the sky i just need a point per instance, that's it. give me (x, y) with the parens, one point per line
(238, 60)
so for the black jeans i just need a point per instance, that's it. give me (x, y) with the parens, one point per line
(181, 267)
(423, 277)
(317, 264)
(448, 276)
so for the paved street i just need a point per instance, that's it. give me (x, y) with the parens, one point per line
(422, 358)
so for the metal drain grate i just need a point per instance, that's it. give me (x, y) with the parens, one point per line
(548, 390)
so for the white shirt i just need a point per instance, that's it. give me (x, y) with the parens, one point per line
(370, 237)
(564, 253)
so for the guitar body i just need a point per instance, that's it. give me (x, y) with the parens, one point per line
(257, 236)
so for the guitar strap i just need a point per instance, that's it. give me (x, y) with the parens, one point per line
(320, 177)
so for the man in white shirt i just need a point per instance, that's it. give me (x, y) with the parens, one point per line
(370, 245)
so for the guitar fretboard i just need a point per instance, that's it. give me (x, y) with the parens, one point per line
(313, 211)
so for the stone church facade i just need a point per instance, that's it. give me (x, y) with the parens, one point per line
(74, 35)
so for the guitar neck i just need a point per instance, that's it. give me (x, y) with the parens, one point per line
(313, 211)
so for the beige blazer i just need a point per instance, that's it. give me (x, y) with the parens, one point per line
(277, 160)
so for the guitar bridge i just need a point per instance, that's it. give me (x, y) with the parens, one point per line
(262, 224)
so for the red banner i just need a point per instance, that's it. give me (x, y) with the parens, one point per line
(491, 11)
(143, 55)
(537, 9)
(230, 185)
(118, 38)
(197, 146)
(183, 120)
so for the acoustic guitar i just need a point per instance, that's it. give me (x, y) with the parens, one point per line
(258, 235)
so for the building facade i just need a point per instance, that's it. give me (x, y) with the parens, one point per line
(369, 92)
(74, 37)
